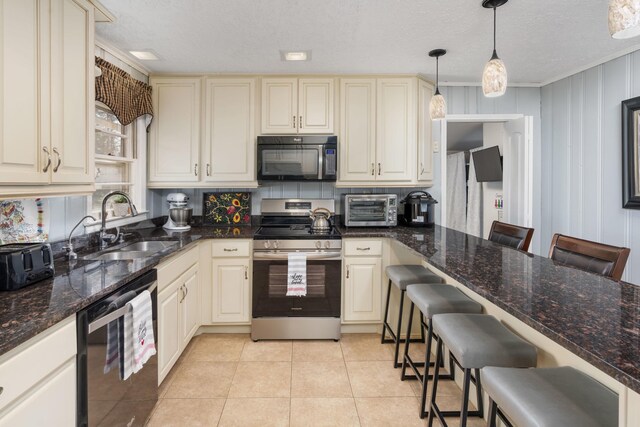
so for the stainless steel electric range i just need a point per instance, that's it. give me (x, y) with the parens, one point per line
(286, 227)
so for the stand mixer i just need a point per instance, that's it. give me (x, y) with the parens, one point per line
(179, 213)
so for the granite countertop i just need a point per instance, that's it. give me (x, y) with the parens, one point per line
(31, 310)
(594, 317)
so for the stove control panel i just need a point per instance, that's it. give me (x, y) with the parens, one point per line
(284, 245)
(271, 244)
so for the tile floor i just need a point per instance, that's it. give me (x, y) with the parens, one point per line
(229, 380)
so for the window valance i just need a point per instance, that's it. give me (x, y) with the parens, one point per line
(127, 97)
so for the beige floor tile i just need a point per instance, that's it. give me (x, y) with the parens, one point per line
(267, 351)
(262, 379)
(218, 347)
(356, 347)
(187, 412)
(377, 379)
(320, 379)
(323, 412)
(316, 351)
(389, 411)
(202, 380)
(255, 412)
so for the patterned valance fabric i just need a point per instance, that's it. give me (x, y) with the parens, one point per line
(127, 97)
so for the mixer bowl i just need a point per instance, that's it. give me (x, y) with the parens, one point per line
(181, 216)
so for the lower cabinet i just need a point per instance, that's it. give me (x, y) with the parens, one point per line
(231, 278)
(178, 308)
(38, 379)
(362, 287)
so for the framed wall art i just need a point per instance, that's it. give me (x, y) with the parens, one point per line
(631, 153)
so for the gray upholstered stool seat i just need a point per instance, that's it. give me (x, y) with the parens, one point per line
(405, 275)
(550, 397)
(432, 299)
(439, 299)
(475, 341)
(479, 340)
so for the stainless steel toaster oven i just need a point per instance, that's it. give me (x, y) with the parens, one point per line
(370, 210)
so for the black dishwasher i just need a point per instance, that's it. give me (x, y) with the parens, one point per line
(103, 398)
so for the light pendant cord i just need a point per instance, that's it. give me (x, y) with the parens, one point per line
(437, 76)
(495, 53)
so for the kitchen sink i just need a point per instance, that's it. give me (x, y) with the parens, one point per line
(135, 250)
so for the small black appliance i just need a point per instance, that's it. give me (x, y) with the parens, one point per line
(417, 209)
(22, 264)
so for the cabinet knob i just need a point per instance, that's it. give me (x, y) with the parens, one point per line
(364, 249)
(57, 166)
(347, 271)
(195, 169)
(373, 169)
(46, 167)
(300, 122)
(230, 250)
(208, 169)
(379, 168)
(246, 272)
(294, 122)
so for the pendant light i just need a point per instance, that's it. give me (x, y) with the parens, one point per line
(494, 77)
(437, 106)
(624, 18)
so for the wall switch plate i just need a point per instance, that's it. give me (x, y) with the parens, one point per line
(436, 146)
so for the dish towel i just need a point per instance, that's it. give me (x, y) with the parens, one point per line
(139, 342)
(115, 335)
(297, 275)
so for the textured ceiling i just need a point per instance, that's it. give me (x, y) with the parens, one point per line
(537, 39)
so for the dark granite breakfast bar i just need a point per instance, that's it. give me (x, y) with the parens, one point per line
(593, 317)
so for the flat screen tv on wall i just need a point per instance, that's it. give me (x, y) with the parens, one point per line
(488, 164)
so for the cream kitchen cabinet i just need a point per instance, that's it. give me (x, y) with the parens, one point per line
(38, 379)
(174, 140)
(47, 87)
(293, 105)
(178, 307)
(229, 139)
(231, 279)
(362, 290)
(425, 147)
(377, 132)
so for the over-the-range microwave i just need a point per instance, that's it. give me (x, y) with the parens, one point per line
(370, 210)
(297, 158)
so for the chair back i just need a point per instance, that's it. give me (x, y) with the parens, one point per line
(511, 235)
(589, 256)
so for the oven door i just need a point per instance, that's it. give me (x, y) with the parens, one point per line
(270, 286)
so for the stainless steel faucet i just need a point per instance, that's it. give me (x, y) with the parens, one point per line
(69, 247)
(106, 238)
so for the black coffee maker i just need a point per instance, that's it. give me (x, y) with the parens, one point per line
(417, 209)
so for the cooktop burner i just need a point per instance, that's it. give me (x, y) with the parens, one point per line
(295, 231)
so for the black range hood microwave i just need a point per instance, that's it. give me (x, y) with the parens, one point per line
(297, 158)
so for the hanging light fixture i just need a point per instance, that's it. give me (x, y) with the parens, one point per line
(624, 18)
(494, 77)
(437, 106)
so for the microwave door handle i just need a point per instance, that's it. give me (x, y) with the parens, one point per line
(320, 163)
(114, 315)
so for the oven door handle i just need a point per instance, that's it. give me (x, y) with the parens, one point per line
(284, 256)
(107, 318)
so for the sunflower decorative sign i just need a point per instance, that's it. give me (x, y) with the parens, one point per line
(226, 209)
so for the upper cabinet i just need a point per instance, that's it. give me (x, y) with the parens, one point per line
(297, 106)
(203, 132)
(175, 131)
(47, 87)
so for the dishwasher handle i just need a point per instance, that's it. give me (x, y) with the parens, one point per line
(114, 315)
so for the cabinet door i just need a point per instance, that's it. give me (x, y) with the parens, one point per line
(363, 289)
(396, 130)
(169, 334)
(315, 106)
(229, 142)
(51, 403)
(22, 140)
(231, 297)
(72, 92)
(425, 147)
(279, 105)
(190, 309)
(174, 143)
(357, 129)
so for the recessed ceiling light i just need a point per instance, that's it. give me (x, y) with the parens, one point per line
(298, 55)
(145, 55)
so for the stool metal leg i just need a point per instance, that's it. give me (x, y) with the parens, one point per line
(385, 325)
(465, 397)
(398, 329)
(493, 411)
(427, 364)
(479, 396)
(406, 345)
(434, 389)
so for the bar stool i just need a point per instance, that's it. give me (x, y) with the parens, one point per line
(432, 300)
(403, 276)
(476, 341)
(511, 235)
(549, 397)
(590, 256)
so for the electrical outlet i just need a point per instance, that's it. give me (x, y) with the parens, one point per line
(436, 146)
